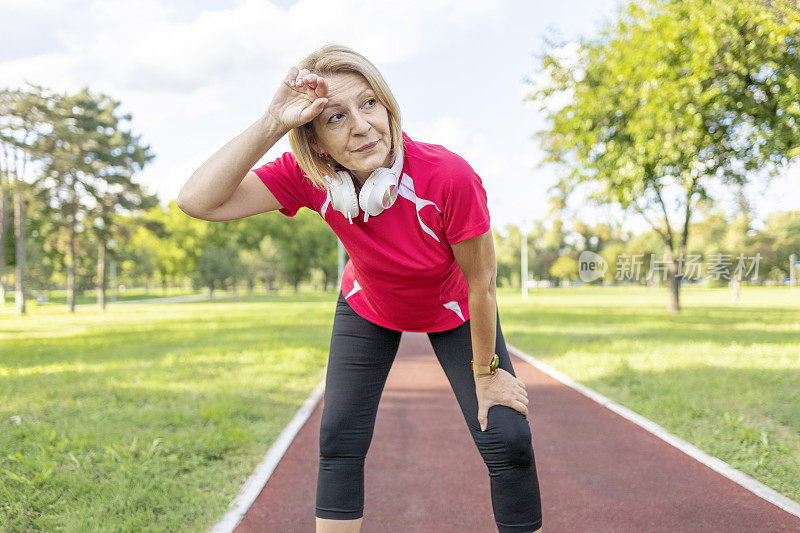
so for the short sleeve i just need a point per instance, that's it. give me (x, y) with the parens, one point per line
(466, 213)
(284, 178)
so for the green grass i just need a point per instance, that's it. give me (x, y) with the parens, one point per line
(723, 377)
(149, 417)
(88, 297)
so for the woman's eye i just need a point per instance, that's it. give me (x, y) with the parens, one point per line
(372, 102)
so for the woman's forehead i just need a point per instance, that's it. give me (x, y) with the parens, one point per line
(344, 85)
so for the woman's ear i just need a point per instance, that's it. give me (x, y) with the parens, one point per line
(310, 138)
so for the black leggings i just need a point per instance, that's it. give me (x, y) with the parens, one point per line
(361, 355)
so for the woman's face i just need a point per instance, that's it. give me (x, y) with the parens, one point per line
(353, 118)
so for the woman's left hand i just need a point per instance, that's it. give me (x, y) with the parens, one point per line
(500, 388)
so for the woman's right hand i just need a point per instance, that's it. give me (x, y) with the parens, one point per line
(500, 388)
(300, 98)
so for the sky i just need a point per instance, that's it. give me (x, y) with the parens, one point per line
(196, 73)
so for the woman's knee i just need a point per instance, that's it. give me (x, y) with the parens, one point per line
(510, 440)
(337, 438)
(520, 450)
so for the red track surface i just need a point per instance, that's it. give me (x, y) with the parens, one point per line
(597, 470)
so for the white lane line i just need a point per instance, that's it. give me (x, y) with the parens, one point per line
(255, 483)
(718, 465)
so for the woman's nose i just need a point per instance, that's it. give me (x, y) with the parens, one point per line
(360, 123)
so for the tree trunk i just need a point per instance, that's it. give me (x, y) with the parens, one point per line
(4, 217)
(101, 275)
(71, 268)
(673, 282)
(19, 233)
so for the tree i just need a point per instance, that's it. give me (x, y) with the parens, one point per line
(89, 165)
(118, 156)
(507, 251)
(327, 259)
(565, 268)
(673, 95)
(174, 240)
(776, 242)
(247, 235)
(23, 118)
(306, 243)
(269, 266)
(215, 267)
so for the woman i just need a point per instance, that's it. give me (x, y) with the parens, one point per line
(414, 221)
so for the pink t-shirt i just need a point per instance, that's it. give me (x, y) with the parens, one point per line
(401, 273)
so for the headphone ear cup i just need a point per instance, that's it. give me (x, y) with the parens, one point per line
(348, 194)
(379, 192)
(366, 190)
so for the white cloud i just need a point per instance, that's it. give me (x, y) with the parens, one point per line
(195, 79)
(186, 81)
(566, 55)
(137, 46)
(514, 188)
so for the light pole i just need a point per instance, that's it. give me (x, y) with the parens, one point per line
(113, 281)
(341, 263)
(112, 244)
(524, 259)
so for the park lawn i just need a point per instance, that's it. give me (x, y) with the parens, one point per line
(723, 377)
(89, 297)
(151, 416)
(148, 417)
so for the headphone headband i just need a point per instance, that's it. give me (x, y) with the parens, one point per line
(378, 193)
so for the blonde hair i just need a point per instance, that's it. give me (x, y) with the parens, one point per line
(338, 59)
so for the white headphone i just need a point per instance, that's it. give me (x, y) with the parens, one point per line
(378, 193)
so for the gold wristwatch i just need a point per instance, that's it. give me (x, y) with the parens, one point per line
(491, 368)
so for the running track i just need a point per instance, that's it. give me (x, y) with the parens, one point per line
(598, 471)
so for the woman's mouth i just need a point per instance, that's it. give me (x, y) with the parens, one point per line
(368, 147)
